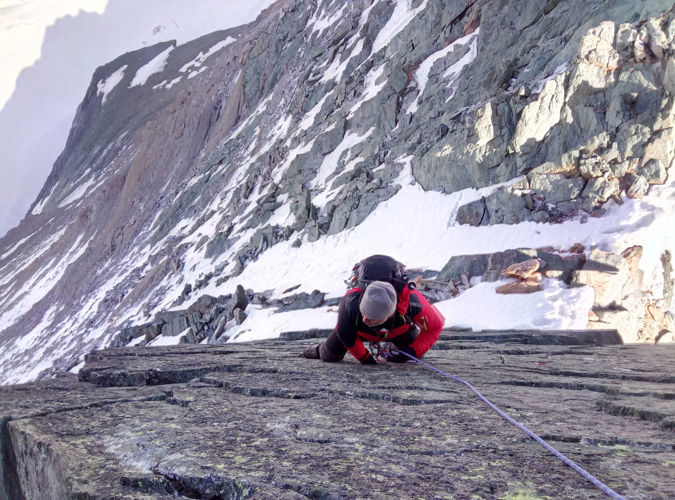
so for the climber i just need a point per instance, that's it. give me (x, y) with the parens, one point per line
(382, 307)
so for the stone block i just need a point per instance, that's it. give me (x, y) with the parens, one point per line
(520, 286)
(239, 300)
(473, 214)
(654, 171)
(239, 316)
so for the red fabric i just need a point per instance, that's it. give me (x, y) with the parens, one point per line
(430, 322)
(358, 350)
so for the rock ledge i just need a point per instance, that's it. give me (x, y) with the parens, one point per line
(258, 421)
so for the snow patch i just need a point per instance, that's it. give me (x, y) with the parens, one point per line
(78, 193)
(40, 206)
(14, 247)
(265, 323)
(337, 68)
(556, 307)
(203, 56)
(29, 340)
(322, 23)
(422, 73)
(166, 339)
(40, 285)
(371, 88)
(452, 73)
(156, 65)
(308, 120)
(330, 161)
(399, 19)
(104, 87)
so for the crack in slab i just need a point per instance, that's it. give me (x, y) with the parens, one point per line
(587, 387)
(607, 443)
(387, 397)
(270, 393)
(212, 487)
(609, 376)
(258, 391)
(664, 420)
(440, 452)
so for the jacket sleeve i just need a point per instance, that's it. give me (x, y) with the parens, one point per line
(430, 321)
(346, 328)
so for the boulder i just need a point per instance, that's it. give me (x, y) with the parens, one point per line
(556, 187)
(239, 316)
(654, 171)
(239, 300)
(640, 45)
(639, 186)
(176, 322)
(194, 336)
(620, 301)
(658, 41)
(601, 189)
(473, 214)
(435, 290)
(626, 35)
(206, 304)
(489, 267)
(301, 300)
(147, 330)
(505, 206)
(669, 76)
(221, 322)
(525, 270)
(472, 265)
(606, 273)
(520, 286)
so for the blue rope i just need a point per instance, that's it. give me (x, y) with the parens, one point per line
(599, 484)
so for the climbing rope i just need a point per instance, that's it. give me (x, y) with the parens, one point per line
(596, 482)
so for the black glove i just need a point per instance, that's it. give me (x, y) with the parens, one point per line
(370, 360)
(399, 357)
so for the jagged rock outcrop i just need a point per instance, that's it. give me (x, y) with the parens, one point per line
(258, 421)
(598, 127)
(527, 277)
(621, 301)
(186, 163)
(559, 264)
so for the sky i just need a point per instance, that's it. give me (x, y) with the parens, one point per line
(49, 50)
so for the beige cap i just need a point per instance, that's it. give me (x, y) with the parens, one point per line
(378, 301)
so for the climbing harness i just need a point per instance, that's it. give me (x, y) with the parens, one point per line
(596, 482)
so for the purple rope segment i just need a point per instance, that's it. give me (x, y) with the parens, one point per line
(596, 482)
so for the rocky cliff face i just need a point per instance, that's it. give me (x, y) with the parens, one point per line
(256, 420)
(185, 163)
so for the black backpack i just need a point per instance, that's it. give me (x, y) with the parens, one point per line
(378, 268)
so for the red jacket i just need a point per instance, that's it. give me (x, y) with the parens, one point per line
(412, 309)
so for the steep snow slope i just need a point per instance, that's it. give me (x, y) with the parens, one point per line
(327, 132)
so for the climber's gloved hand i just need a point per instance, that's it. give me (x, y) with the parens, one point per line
(398, 357)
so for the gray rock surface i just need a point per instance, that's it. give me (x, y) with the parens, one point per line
(621, 300)
(258, 421)
(289, 129)
(489, 267)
